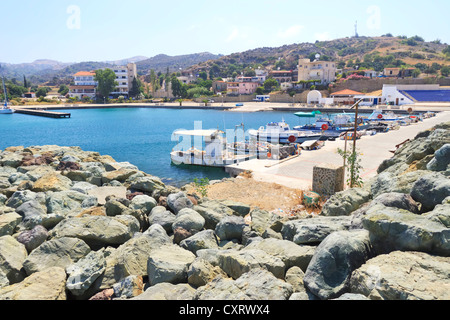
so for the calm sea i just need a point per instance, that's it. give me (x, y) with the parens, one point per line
(140, 136)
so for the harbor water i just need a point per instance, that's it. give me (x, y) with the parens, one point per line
(141, 136)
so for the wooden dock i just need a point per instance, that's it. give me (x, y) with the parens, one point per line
(44, 113)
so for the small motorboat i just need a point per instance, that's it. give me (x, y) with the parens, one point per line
(5, 109)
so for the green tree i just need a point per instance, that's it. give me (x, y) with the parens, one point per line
(445, 71)
(178, 89)
(136, 87)
(270, 83)
(42, 92)
(203, 75)
(63, 90)
(25, 83)
(106, 79)
(416, 73)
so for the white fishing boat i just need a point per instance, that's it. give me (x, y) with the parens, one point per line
(204, 148)
(378, 115)
(281, 133)
(5, 109)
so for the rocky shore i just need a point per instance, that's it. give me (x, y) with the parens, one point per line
(77, 225)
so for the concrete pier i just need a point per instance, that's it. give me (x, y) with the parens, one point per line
(298, 172)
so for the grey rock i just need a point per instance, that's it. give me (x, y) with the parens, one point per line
(220, 288)
(260, 284)
(291, 254)
(230, 227)
(169, 263)
(83, 273)
(235, 263)
(83, 187)
(345, 202)
(341, 253)
(98, 231)
(129, 287)
(395, 276)
(147, 184)
(312, 231)
(430, 190)
(160, 215)
(205, 239)
(261, 220)
(32, 213)
(441, 159)
(143, 203)
(398, 200)
(240, 209)
(20, 197)
(394, 229)
(189, 219)
(212, 211)
(178, 201)
(352, 296)
(60, 252)
(294, 276)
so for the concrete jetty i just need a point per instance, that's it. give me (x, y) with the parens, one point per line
(298, 172)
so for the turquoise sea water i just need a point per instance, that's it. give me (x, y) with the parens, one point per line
(140, 136)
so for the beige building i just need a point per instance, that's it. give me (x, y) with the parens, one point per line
(325, 71)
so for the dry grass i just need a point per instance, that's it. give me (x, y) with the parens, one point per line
(267, 196)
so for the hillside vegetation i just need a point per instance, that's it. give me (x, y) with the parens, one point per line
(374, 53)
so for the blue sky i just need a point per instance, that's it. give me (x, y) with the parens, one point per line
(100, 30)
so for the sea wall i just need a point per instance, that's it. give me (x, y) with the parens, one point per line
(77, 225)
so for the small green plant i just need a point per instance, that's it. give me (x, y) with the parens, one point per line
(353, 165)
(201, 186)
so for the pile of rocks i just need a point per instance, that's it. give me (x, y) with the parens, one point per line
(78, 225)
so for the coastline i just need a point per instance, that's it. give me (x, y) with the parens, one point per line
(247, 107)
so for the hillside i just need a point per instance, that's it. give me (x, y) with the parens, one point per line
(161, 62)
(366, 52)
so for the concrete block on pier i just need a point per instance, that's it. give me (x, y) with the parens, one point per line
(328, 179)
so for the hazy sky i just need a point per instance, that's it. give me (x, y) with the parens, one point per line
(100, 30)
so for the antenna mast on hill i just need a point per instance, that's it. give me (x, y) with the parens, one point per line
(356, 30)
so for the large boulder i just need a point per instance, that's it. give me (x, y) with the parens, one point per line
(147, 184)
(230, 228)
(312, 231)
(143, 203)
(169, 263)
(189, 220)
(441, 159)
(48, 284)
(33, 238)
(212, 211)
(168, 291)
(131, 257)
(205, 239)
(394, 182)
(345, 202)
(52, 182)
(178, 201)
(83, 273)
(328, 274)
(12, 257)
(430, 190)
(98, 231)
(290, 253)
(201, 272)
(403, 276)
(393, 229)
(160, 215)
(235, 263)
(61, 252)
(8, 223)
(397, 200)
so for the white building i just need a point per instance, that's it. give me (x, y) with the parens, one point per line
(124, 77)
(85, 85)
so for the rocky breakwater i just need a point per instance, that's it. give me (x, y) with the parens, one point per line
(78, 225)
